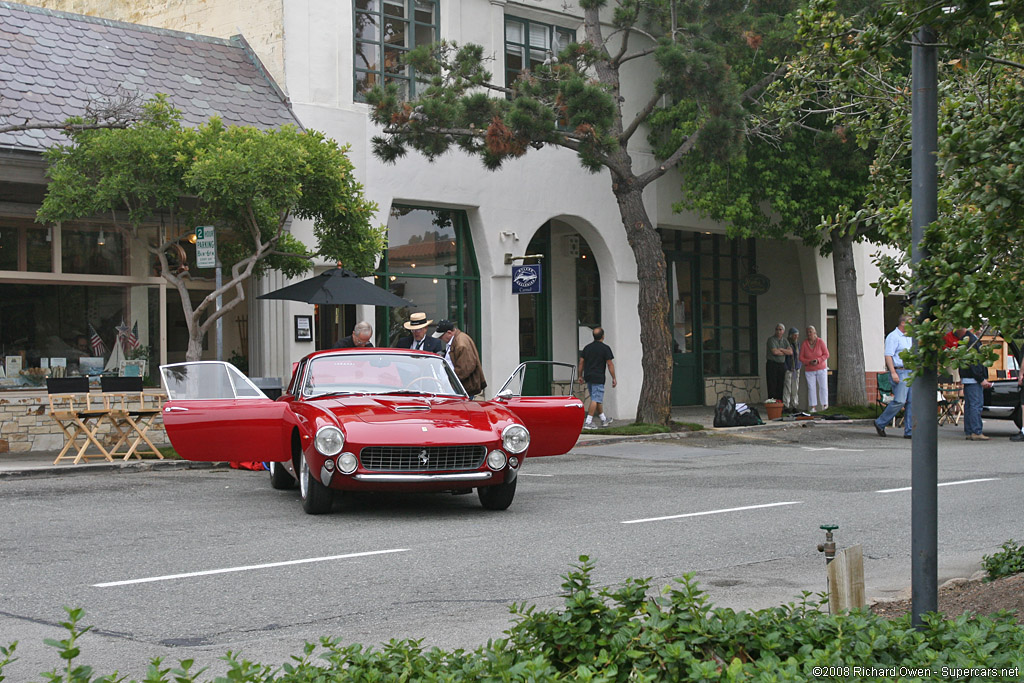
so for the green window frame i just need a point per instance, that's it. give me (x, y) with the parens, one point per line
(430, 260)
(728, 315)
(384, 32)
(588, 288)
(527, 44)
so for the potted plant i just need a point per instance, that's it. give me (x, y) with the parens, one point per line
(773, 408)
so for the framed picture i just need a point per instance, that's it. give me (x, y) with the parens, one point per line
(91, 365)
(132, 368)
(303, 328)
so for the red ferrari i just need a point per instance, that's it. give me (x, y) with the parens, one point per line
(368, 420)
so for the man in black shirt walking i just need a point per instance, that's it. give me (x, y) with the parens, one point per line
(596, 356)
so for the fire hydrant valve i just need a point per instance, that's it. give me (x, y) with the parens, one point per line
(829, 546)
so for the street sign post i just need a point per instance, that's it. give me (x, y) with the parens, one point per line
(206, 247)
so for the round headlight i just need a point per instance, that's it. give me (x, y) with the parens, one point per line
(515, 438)
(496, 460)
(329, 440)
(347, 463)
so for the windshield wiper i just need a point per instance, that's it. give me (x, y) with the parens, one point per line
(405, 392)
(336, 393)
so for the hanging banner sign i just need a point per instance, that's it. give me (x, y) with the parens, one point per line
(526, 279)
(206, 247)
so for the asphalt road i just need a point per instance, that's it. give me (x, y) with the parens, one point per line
(198, 562)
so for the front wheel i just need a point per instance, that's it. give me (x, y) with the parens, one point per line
(497, 497)
(316, 498)
(279, 477)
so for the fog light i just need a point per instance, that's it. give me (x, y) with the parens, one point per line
(347, 463)
(496, 460)
(329, 465)
(513, 462)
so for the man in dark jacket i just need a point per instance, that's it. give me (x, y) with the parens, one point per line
(419, 339)
(975, 381)
(360, 337)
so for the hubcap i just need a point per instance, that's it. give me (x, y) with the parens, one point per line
(304, 478)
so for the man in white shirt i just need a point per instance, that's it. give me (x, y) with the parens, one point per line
(895, 343)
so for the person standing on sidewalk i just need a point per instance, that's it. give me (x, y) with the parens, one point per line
(776, 351)
(461, 353)
(791, 388)
(814, 356)
(975, 381)
(594, 359)
(896, 342)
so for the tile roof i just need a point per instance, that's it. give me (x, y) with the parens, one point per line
(52, 64)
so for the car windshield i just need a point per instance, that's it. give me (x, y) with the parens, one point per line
(380, 373)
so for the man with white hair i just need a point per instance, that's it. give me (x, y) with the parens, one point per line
(359, 338)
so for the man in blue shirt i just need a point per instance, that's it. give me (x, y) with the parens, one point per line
(895, 343)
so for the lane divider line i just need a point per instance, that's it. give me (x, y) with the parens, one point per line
(947, 483)
(712, 512)
(228, 570)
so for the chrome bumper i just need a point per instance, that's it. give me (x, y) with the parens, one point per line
(417, 478)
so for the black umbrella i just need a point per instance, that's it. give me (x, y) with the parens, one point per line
(337, 286)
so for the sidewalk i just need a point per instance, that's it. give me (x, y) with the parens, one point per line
(40, 463)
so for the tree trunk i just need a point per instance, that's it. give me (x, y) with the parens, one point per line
(850, 386)
(195, 344)
(654, 405)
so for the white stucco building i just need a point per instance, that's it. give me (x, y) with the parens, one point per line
(452, 224)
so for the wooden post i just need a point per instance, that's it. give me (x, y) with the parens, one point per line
(846, 580)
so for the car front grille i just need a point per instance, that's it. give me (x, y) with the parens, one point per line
(411, 458)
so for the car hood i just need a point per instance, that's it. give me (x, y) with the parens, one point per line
(413, 410)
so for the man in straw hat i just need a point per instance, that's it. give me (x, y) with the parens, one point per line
(419, 339)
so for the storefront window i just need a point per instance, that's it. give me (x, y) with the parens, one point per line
(92, 250)
(25, 246)
(55, 327)
(429, 261)
(728, 318)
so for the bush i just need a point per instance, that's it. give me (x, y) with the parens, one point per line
(1009, 560)
(627, 634)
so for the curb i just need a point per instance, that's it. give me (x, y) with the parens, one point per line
(598, 440)
(119, 468)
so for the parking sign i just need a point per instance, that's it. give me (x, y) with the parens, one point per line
(206, 247)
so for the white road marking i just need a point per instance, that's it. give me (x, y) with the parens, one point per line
(833, 448)
(711, 512)
(247, 568)
(947, 483)
(531, 474)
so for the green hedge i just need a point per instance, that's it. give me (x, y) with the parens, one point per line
(625, 633)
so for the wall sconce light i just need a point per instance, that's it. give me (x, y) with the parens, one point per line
(102, 239)
(192, 238)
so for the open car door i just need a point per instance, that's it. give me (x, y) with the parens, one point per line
(215, 413)
(554, 421)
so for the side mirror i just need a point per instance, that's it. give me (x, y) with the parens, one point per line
(504, 395)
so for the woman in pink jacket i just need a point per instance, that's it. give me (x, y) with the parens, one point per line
(814, 354)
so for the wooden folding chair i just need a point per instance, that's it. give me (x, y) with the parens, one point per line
(135, 412)
(952, 406)
(72, 407)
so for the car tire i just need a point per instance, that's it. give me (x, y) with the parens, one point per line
(497, 497)
(280, 479)
(316, 498)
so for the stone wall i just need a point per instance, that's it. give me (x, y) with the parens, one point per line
(743, 389)
(26, 425)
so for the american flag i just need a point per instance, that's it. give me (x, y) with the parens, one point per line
(96, 342)
(132, 339)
